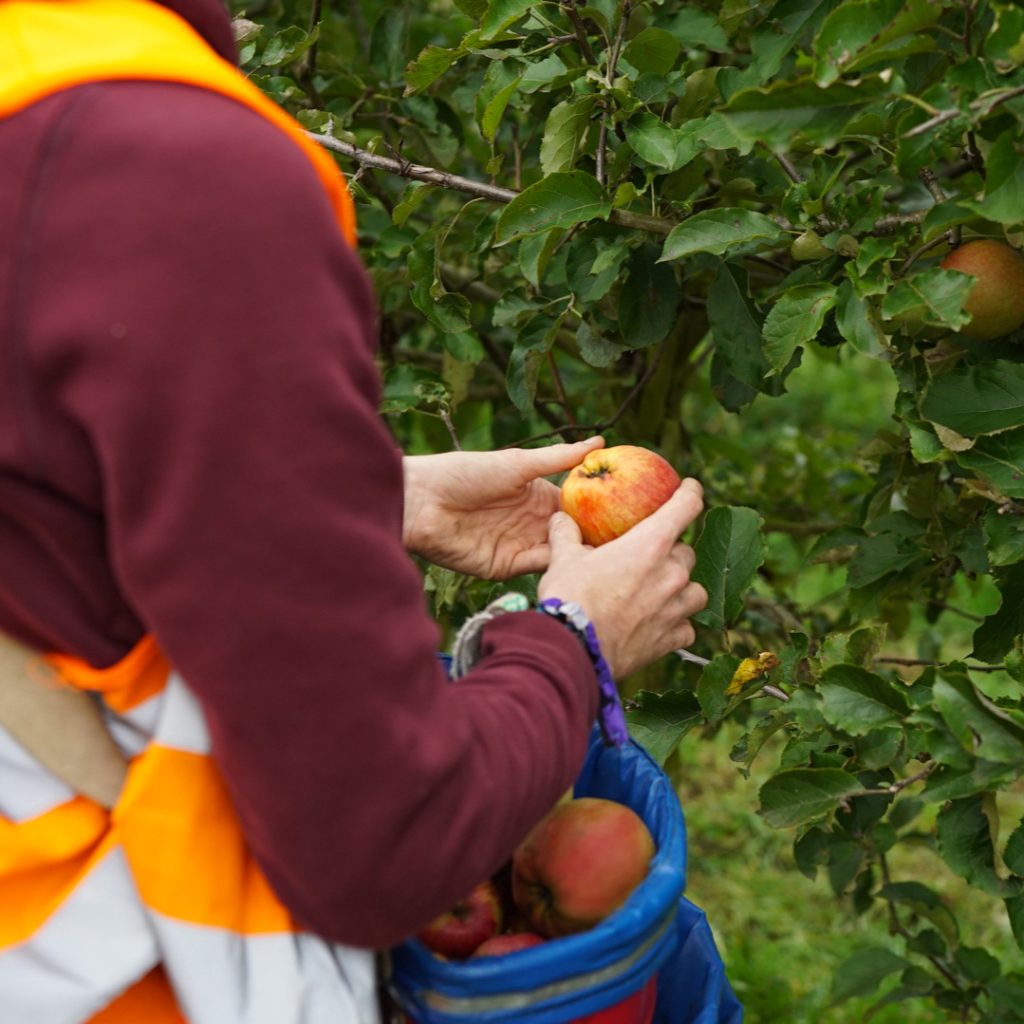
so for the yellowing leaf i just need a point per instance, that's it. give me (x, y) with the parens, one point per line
(750, 669)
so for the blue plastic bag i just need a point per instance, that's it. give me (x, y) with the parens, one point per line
(656, 932)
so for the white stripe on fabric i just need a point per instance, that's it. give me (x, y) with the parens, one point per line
(133, 729)
(221, 977)
(181, 725)
(27, 789)
(96, 944)
(472, 1008)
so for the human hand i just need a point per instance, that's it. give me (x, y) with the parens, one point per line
(486, 513)
(636, 589)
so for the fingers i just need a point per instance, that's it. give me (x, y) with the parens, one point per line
(662, 528)
(556, 458)
(563, 535)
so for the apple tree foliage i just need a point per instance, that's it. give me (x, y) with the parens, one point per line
(640, 217)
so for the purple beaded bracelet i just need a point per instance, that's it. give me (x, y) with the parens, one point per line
(610, 715)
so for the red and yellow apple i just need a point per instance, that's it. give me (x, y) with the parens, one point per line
(579, 863)
(612, 489)
(458, 932)
(510, 942)
(996, 300)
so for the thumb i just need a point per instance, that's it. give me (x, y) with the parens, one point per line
(556, 458)
(664, 525)
(563, 534)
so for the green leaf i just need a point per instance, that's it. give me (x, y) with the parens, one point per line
(994, 638)
(695, 28)
(429, 66)
(410, 201)
(500, 14)
(528, 355)
(559, 200)
(721, 231)
(447, 311)
(713, 682)
(596, 349)
(1005, 538)
(860, 33)
(736, 328)
(287, 46)
(564, 132)
(964, 835)
(660, 720)
(878, 556)
(1004, 182)
(954, 783)
(1000, 460)
(858, 321)
(653, 50)
(935, 296)
(858, 701)
(794, 320)
(494, 109)
(648, 300)
(979, 725)
(730, 550)
(1013, 855)
(474, 8)
(980, 399)
(661, 145)
(777, 114)
(801, 795)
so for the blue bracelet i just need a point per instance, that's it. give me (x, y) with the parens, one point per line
(610, 715)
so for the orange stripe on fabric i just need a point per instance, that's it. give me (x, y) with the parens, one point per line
(179, 831)
(42, 860)
(149, 1001)
(78, 41)
(139, 675)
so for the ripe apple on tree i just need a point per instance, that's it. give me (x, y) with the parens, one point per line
(472, 921)
(579, 863)
(996, 300)
(614, 488)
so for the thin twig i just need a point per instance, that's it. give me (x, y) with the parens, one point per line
(924, 662)
(580, 31)
(495, 193)
(446, 418)
(899, 784)
(790, 168)
(920, 251)
(609, 80)
(984, 105)
(597, 428)
(563, 398)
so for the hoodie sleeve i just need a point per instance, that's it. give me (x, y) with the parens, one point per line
(202, 323)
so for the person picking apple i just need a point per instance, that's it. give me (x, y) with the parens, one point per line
(202, 510)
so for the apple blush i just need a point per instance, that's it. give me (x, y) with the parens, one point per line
(458, 932)
(614, 488)
(580, 863)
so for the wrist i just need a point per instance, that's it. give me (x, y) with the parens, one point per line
(412, 502)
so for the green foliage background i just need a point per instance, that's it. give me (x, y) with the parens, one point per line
(715, 230)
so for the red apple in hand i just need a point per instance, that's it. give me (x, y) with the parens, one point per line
(579, 863)
(457, 932)
(614, 488)
(499, 945)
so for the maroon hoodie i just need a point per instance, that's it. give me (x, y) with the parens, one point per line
(189, 447)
